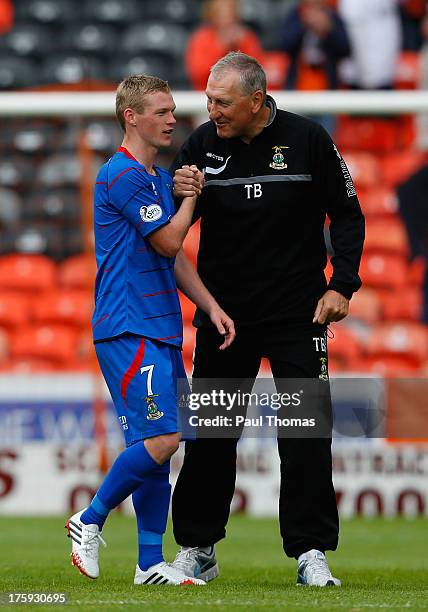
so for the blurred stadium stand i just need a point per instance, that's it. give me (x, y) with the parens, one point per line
(45, 280)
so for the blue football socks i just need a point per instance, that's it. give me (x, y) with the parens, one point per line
(151, 504)
(125, 476)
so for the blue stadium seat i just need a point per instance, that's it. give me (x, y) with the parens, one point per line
(16, 171)
(124, 66)
(91, 38)
(62, 170)
(72, 68)
(155, 37)
(46, 11)
(29, 40)
(38, 238)
(260, 14)
(58, 170)
(34, 137)
(17, 72)
(170, 69)
(60, 204)
(103, 135)
(187, 12)
(112, 11)
(10, 209)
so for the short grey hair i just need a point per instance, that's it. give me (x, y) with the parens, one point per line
(252, 76)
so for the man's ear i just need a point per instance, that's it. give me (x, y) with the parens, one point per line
(129, 116)
(257, 100)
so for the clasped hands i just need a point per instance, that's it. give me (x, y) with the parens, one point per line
(188, 182)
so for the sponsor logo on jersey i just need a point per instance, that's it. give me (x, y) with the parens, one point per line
(150, 213)
(278, 162)
(152, 408)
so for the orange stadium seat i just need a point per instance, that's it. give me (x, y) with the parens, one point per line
(364, 168)
(29, 365)
(367, 133)
(416, 272)
(386, 236)
(191, 243)
(78, 272)
(14, 309)
(380, 270)
(401, 305)
(275, 64)
(4, 346)
(27, 272)
(51, 342)
(189, 333)
(345, 345)
(397, 167)
(336, 365)
(408, 131)
(365, 306)
(328, 270)
(64, 306)
(408, 70)
(187, 308)
(409, 340)
(85, 351)
(385, 366)
(378, 202)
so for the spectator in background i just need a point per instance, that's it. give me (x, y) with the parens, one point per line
(221, 32)
(6, 16)
(412, 12)
(315, 38)
(422, 118)
(412, 198)
(374, 29)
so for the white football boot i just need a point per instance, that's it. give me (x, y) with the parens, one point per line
(85, 545)
(197, 562)
(164, 574)
(313, 570)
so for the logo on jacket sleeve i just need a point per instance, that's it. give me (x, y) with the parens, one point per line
(278, 158)
(150, 213)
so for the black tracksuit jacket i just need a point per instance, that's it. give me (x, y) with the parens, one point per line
(262, 251)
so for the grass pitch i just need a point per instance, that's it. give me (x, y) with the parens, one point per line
(382, 564)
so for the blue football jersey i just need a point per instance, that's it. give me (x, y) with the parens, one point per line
(135, 288)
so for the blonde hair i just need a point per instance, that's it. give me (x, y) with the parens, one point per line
(132, 91)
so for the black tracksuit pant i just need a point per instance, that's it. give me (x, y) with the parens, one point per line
(205, 486)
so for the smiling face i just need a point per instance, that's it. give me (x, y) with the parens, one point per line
(155, 124)
(232, 111)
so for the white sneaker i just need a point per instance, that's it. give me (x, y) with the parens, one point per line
(197, 562)
(85, 544)
(312, 570)
(164, 574)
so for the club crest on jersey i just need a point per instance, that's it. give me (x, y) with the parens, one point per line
(152, 408)
(150, 213)
(324, 371)
(278, 162)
